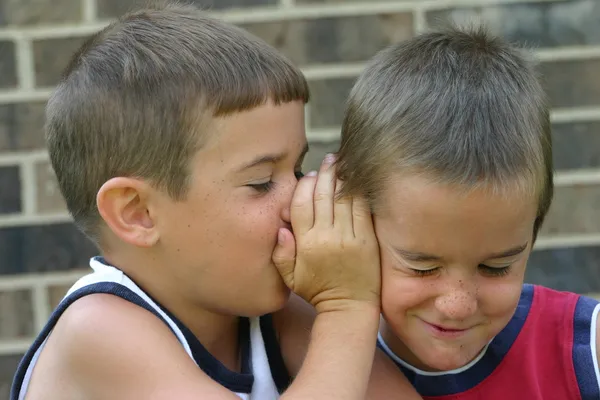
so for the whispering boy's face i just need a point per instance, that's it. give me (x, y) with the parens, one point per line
(453, 265)
(219, 241)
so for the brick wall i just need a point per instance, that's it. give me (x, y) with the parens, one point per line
(41, 253)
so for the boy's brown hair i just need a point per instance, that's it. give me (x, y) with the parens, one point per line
(137, 100)
(458, 105)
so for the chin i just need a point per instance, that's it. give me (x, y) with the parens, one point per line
(271, 301)
(445, 360)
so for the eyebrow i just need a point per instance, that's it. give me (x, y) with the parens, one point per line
(269, 158)
(421, 257)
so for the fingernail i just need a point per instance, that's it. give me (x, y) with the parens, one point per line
(329, 158)
(312, 173)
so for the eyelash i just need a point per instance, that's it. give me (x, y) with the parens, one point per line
(495, 272)
(263, 187)
(268, 186)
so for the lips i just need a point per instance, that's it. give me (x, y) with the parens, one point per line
(443, 328)
(446, 331)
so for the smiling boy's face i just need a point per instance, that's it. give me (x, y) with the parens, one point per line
(453, 265)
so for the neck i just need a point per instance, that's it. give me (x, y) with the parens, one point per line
(218, 333)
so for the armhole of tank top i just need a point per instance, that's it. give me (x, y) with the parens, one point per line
(594, 344)
(27, 364)
(585, 354)
(279, 371)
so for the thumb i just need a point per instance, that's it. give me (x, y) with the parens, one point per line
(284, 256)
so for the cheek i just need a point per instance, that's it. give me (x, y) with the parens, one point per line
(401, 293)
(257, 219)
(499, 299)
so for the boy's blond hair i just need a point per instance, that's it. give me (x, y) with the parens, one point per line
(457, 105)
(138, 98)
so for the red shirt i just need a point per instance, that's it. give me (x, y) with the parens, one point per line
(546, 352)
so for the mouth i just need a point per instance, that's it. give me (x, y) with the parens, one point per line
(445, 331)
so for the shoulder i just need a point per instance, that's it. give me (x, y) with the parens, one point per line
(102, 338)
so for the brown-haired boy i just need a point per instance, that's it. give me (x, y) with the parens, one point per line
(448, 136)
(177, 141)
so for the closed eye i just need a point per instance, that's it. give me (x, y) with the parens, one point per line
(424, 272)
(485, 269)
(262, 187)
(494, 271)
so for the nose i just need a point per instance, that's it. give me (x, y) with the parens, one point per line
(286, 215)
(458, 302)
(287, 200)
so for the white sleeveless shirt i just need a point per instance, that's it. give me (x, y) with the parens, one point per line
(263, 375)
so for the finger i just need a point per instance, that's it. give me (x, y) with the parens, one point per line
(324, 192)
(342, 212)
(362, 218)
(301, 208)
(284, 256)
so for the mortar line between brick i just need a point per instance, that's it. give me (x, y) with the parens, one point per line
(28, 187)
(337, 70)
(30, 281)
(287, 3)
(21, 157)
(16, 220)
(24, 62)
(567, 240)
(88, 11)
(351, 69)
(350, 9)
(267, 14)
(561, 115)
(567, 53)
(54, 31)
(575, 114)
(577, 177)
(17, 96)
(16, 346)
(41, 306)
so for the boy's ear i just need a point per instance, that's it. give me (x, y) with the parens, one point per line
(123, 205)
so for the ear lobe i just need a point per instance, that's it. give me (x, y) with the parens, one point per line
(122, 204)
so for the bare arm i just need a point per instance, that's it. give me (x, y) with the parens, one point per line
(339, 356)
(104, 347)
(332, 262)
(107, 348)
(294, 324)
